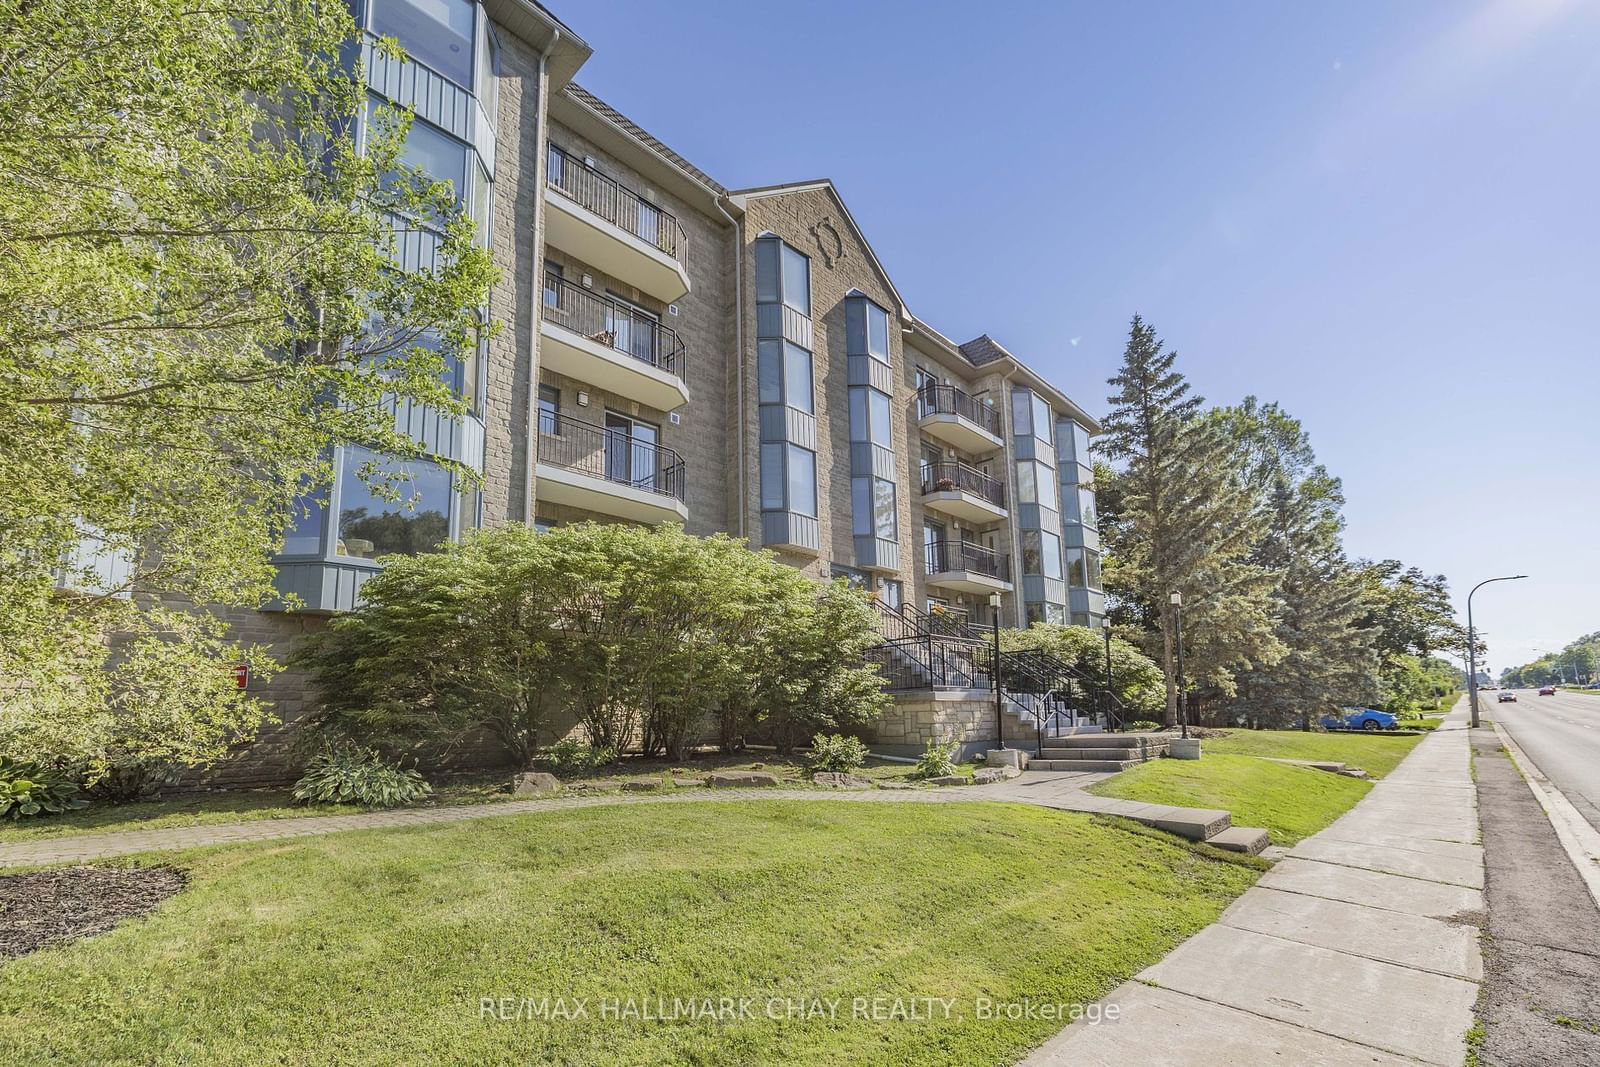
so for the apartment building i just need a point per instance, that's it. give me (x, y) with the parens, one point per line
(676, 351)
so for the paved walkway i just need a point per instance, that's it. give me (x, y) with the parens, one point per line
(1060, 790)
(1358, 948)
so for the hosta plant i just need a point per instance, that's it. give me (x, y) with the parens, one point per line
(29, 789)
(347, 774)
(937, 760)
(836, 752)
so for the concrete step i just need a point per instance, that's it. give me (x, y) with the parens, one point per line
(1246, 839)
(1105, 740)
(1082, 764)
(1084, 752)
(1197, 824)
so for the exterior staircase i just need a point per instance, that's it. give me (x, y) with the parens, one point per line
(1099, 752)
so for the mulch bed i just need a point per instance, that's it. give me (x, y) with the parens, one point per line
(51, 907)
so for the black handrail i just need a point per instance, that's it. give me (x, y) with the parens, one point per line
(610, 454)
(613, 201)
(948, 477)
(949, 400)
(612, 323)
(942, 556)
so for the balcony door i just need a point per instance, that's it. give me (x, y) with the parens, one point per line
(925, 378)
(633, 327)
(631, 456)
(933, 536)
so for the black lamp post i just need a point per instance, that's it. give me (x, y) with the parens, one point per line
(1177, 635)
(1105, 628)
(999, 714)
(1472, 646)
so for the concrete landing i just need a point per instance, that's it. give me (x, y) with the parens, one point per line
(1309, 966)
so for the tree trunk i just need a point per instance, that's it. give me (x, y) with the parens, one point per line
(1169, 672)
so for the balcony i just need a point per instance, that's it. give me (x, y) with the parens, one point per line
(958, 418)
(586, 466)
(603, 222)
(963, 491)
(610, 345)
(966, 567)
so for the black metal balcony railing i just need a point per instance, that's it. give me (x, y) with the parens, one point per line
(610, 454)
(612, 323)
(942, 556)
(613, 201)
(950, 477)
(949, 400)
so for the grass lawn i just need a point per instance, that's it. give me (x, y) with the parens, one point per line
(1288, 802)
(198, 809)
(1374, 753)
(378, 946)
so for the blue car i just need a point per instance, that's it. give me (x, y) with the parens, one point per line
(1360, 719)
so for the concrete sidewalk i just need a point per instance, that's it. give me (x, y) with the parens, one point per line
(1359, 947)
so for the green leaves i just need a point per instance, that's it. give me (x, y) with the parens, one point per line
(641, 637)
(28, 789)
(201, 272)
(345, 774)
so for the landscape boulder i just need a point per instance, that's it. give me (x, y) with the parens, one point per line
(989, 775)
(949, 779)
(646, 785)
(740, 779)
(535, 783)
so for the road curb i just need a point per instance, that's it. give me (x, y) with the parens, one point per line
(1580, 840)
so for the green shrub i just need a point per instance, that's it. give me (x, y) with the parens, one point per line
(1144, 724)
(570, 758)
(29, 789)
(937, 760)
(346, 774)
(836, 752)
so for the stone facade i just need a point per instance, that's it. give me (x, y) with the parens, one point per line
(717, 430)
(961, 718)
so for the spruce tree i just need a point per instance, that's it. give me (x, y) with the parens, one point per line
(1329, 658)
(1184, 522)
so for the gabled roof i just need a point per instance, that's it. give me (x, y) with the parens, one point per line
(740, 197)
(643, 136)
(984, 349)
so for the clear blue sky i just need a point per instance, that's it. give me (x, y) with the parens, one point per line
(1383, 215)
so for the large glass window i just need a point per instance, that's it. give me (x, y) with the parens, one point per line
(1041, 553)
(797, 377)
(772, 476)
(872, 508)
(769, 288)
(796, 280)
(370, 526)
(1021, 412)
(1080, 444)
(802, 480)
(1041, 418)
(1076, 575)
(439, 157)
(885, 520)
(304, 536)
(867, 329)
(1091, 560)
(769, 371)
(1086, 512)
(869, 416)
(438, 33)
(783, 375)
(549, 408)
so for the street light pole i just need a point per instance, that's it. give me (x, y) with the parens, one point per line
(999, 714)
(1177, 632)
(1472, 646)
(1105, 628)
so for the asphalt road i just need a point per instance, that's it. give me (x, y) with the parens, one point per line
(1561, 734)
